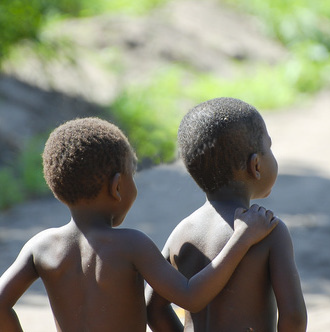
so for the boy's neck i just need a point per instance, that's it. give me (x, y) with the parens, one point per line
(225, 201)
(88, 218)
(235, 196)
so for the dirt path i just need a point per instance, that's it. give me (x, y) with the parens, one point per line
(300, 197)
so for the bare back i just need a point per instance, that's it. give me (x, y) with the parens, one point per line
(90, 280)
(248, 299)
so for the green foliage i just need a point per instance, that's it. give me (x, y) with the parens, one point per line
(253, 88)
(305, 22)
(24, 178)
(30, 167)
(10, 188)
(302, 26)
(18, 20)
(149, 114)
(24, 20)
(131, 7)
(288, 19)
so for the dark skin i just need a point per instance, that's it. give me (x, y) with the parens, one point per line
(94, 273)
(266, 279)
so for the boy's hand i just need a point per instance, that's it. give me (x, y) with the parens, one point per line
(255, 223)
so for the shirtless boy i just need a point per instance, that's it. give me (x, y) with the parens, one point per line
(225, 147)
(94, 272)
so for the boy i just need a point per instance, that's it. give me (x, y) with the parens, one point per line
(225, 147)
(94, 273)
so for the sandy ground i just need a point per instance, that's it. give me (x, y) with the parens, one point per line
(167, 194)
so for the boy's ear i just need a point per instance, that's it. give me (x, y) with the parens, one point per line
(254, 166)
(114, 186)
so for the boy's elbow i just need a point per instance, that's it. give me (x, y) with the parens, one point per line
(300, 318)
(300, 321)
(195, 307)
(295, 321)
(196, 303)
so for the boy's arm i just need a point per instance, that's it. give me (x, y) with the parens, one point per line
(286, 282)
(250, 227)
(13, 283)
(160, 313)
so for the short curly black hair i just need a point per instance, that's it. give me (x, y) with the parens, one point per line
(81, 154)
(217, 137)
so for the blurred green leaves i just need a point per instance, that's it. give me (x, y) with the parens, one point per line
(24, 177)
(18, 20)
(150, 113)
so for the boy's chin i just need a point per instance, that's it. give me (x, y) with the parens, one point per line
(263, 195)
(267, 194)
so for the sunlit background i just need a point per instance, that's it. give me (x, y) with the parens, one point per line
(142, 64)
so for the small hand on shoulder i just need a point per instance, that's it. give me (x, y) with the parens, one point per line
(255, 223)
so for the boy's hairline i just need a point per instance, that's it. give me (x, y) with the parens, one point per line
(255, 115)
(128, 154)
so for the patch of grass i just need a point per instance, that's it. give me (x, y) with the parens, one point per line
(30, 167)
(24, 179)
(150, 114)
(303, 27)
(264, 88)
(291, 21)
(10, 188)
(22, 20)
(127, 6)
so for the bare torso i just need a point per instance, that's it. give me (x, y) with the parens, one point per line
(90, 280)
(247, 303)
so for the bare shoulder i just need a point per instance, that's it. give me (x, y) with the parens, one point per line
(24, 267)
(189, 227)
(279, 236)
(133, 235)
(192, 234)
(51, 240)
(131, 240)
(48, 238)
(42, 239)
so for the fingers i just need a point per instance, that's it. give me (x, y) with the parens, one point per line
(274, 222)
(255, 208)
(240, 210)
(269, 214)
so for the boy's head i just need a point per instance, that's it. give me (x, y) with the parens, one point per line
(80, 155)
(216, 138)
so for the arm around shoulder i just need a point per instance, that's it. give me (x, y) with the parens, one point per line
(193, 294)
(286, 282)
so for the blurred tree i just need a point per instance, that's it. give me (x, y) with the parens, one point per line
(24, 19)
(18, 20)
